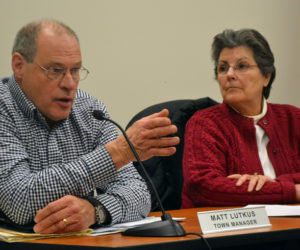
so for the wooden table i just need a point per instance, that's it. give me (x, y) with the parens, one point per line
(283, 234)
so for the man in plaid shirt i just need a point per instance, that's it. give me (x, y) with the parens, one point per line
(60, 167)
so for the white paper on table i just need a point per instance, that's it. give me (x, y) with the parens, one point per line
(281, 210)
(123, 226)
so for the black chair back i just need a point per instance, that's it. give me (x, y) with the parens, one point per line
(166, 172)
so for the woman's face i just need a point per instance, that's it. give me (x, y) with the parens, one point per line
(241, 81)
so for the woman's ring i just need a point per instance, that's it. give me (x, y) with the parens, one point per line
(255, 174)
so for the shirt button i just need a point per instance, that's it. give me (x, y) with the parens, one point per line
(275, 151)
(265, 122)
(53, 165)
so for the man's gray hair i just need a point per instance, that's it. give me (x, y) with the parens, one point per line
(26, 39)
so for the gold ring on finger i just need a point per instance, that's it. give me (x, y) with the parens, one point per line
(65, 221)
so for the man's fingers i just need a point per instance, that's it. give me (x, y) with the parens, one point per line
(53, 222)
(67, 224)
(153, 123)
(159, 147)
(159, 143)
(42, 227)
(159, 119)
(168, 141)
(150, 136)
(51, 208)
(162, 113)
(53, 214)
(76, 216)
(158, 132)
(159, 152)
(163, 131)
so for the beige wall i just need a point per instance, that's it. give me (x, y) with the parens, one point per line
(142, 52)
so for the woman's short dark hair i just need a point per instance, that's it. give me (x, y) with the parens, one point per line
(253, 40)
(26, 39)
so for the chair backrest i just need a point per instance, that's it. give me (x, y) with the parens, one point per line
(166, 172)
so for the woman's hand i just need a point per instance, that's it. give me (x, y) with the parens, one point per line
(256, 182)
(297, 187)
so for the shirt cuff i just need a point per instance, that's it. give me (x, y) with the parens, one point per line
(289, 191)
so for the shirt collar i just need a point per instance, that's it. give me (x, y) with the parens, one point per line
(256, 118)
(24, 103)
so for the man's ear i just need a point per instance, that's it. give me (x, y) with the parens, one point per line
(18, 64)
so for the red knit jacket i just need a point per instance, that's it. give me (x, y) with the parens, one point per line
(220, 142)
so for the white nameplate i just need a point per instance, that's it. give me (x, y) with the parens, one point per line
(233, 219)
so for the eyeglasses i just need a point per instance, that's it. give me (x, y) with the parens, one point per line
(78, 74)
(240, 68)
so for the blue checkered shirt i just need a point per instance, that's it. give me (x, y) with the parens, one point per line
(39, 164)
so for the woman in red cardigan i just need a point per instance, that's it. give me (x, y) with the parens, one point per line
(245, 150)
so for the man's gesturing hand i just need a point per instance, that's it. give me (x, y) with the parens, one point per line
(149, 138)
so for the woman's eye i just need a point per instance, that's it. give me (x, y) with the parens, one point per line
(222, 68)
(243, 66)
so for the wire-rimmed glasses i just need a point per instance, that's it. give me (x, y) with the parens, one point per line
(239, 68)
(55, 73)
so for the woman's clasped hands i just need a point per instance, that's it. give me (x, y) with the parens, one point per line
(256, 181)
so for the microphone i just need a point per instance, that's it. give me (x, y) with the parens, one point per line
(167, 226)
